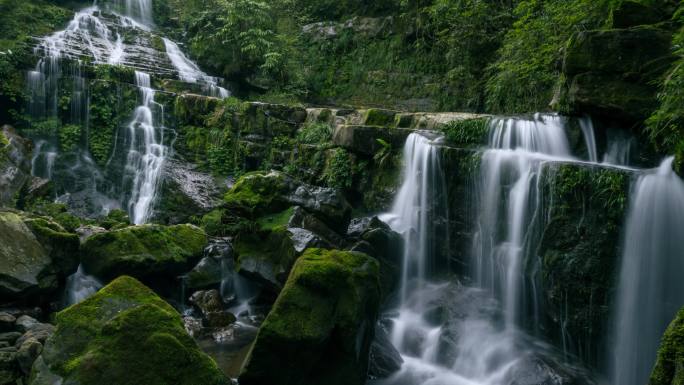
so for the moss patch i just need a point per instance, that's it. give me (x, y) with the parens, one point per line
(669, 368)
(125, 334)
(143, 250)
(322, 321)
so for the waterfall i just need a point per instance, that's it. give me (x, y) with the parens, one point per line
(422, 191)
(146, 151)
(191, 73)
(510, 194)
(80, 286)
(587, 127)
(650, 290)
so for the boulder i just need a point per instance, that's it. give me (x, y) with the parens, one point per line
(321, 326)
(7, 322)
(257, 194)
(210, 270)
(210, 305)
(669, 367)
(36, 255)
(143, 251)
(384, 357)
(15, 165)
(124, 334)
(364, 139)
(185, 192)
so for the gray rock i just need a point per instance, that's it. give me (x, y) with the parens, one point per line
(15, 165)
(26, 323)
(42, 375)
(87, 231)
(27, 354)
(6, 322)
(9, 369)
(10, 337)
(40, 332)
(210, 305)
(384, 357)
(186, 192)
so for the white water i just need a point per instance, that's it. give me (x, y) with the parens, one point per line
(487, 344)
(191, 73)
(80, 286)
(43, 160)
(146, 152)
(651, 289)
(587, 127)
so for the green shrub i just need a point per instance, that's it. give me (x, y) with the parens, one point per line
(315, 133)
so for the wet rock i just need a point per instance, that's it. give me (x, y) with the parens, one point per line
(25, 323)
(306, 325)
(15, 165)
(533, 370)
(36, 254)
(9, 369)
(124, 334)
(143, 251)
(207, 272)
(210, 305)
(669, 367)
(384, 357)
(364, 139)
(327, 203)
(86, 231)
(6, 322)
(185, 192)
(193, 326)
(10, 337)
(324, 236)
(27, 354)
(40, 332)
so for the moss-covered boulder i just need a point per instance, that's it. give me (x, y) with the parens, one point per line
(143, 251)
(322, 324)
(669, 367)
(263, 193)
(125, 334)
(36, 255)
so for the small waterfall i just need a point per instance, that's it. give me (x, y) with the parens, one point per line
(587, 127)
(510, 194)
(421, 193)
(146, 151)
(651, 289)
(191, 73)
(43, 160)
(80, 286)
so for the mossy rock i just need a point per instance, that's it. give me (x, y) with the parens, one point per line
(378, 117)
(258, 193)
(321, 326)
(36, 255)
(125, 334)
(467, 132)
(669, 367)
(143, 251)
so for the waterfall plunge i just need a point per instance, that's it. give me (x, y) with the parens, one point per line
(146, 153)
(650, 290)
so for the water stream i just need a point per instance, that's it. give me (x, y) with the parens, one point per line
(651, 290)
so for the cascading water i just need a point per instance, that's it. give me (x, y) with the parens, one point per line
(650, 290)
(146, 151)
(478, 339)
(191, 73)
(80, 286)
(95, 37)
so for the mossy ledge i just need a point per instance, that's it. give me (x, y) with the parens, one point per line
(669, 368)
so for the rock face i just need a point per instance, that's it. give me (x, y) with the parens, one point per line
(578, 252)
(125, 334)
(143, 251)
(36, 255)
(15, 165)
(669, 368)
(321, 326)
(610, 72)
(21, 342)
(185, 192)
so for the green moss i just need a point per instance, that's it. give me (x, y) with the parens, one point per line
(382, 118)
(321, 321)
(316, 133)
(339, 169)
(69, 137)
(126, 334)
(669, 367)
(275, 221)
(256, 193)
(143, 250)
(469, 132)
